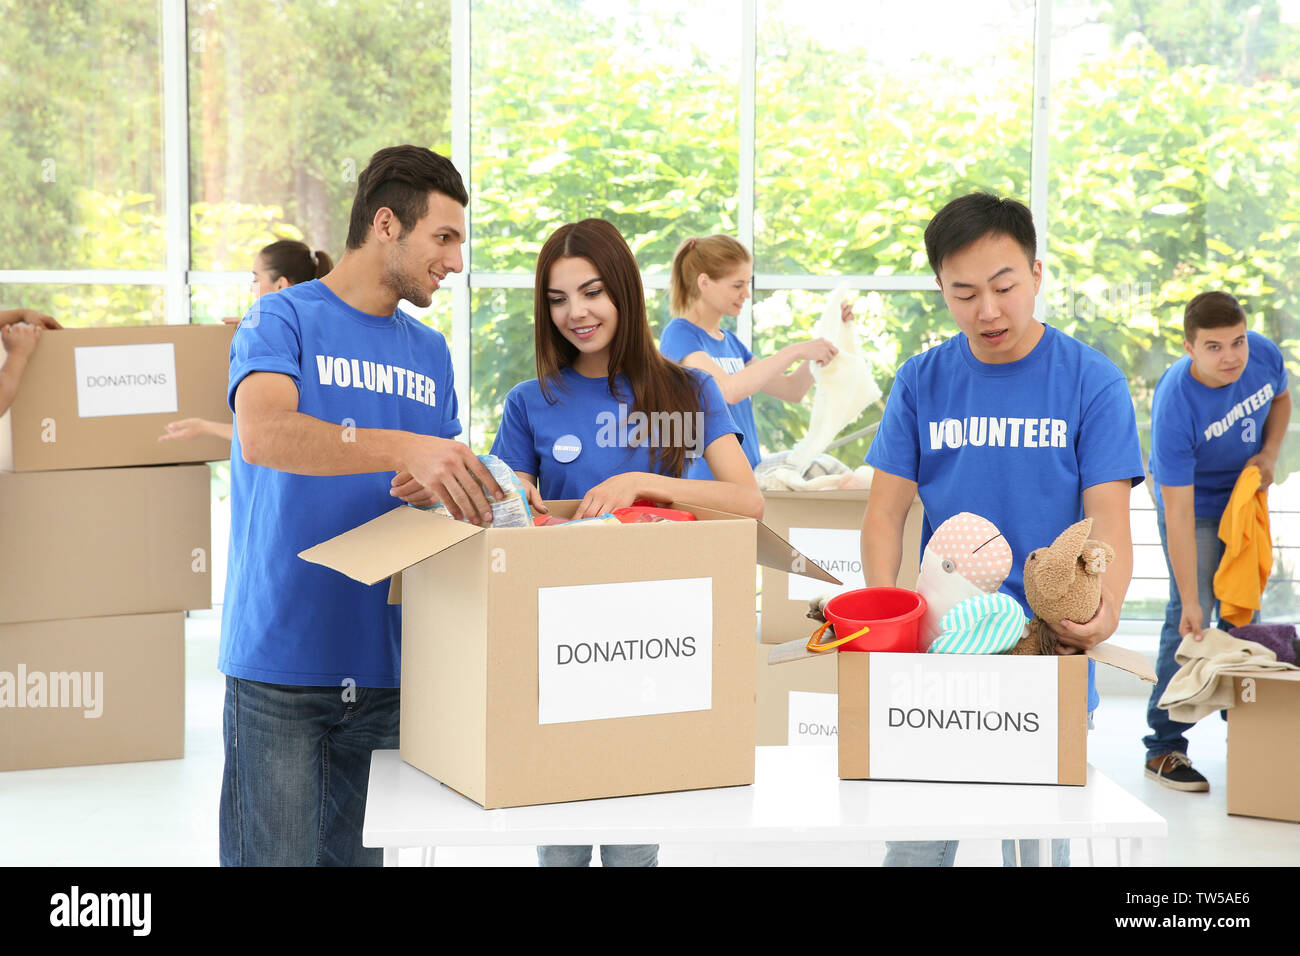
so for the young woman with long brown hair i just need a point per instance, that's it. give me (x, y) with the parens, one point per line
(608, 419)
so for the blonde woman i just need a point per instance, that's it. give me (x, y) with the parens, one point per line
(710, 280)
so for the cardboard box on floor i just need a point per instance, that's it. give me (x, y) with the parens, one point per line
(92, 690)
(826, 526)
(542, 665)
(975, 718)
(107, 541)
(99, 398)
(1263, 746)
(797, 703)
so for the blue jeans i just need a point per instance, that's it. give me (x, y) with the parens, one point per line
(943, 852)
(1167, 735)
(632, 854)
(297, 768)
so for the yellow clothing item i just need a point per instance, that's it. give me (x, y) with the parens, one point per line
(1248, 556)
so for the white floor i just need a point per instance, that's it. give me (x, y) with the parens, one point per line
(164, 813)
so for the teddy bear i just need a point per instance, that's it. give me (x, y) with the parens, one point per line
(1063, 583)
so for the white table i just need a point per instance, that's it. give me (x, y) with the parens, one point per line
(796, 797)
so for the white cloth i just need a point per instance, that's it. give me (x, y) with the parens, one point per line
(844, 385)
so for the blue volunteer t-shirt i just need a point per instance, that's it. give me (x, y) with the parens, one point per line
(585, 435)
(680, 338)
(285, 620)
(1202, 436)
(1016, 443)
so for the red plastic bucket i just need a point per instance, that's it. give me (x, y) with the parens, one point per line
(893, 614)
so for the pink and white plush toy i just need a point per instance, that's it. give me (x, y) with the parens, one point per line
(965, 562)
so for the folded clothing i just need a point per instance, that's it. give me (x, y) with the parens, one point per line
(1278, 638)
(777, 472)
(1198, 688)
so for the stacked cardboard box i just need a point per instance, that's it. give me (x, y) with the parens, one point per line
(100, 558)
(796, 704)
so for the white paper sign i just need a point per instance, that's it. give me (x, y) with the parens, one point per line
(125, 379)
(814, 719)
(963, 717)
(624, 650)
(837, 550)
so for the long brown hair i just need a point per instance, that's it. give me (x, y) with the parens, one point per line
(658, 385)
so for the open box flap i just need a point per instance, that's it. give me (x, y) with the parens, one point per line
(394, 541)
(796, 650)
(1261, 673)
(1125, 659)
(1121, 657)
(773, 551)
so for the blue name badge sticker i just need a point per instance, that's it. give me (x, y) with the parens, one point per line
(566, 448)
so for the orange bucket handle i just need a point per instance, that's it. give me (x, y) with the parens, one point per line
(830, 645)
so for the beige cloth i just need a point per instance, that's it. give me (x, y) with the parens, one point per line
(1198, 688)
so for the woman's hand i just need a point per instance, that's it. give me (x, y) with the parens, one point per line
(617, 492)
(820, 351)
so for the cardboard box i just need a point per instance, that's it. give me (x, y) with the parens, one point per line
(99, 398)
(972, 718)
(92, 690)
(542, 665)
(105, 542)
(797, 703)
(826, 526)
(1263, 746)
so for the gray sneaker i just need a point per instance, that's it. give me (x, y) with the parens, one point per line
(1175, 771)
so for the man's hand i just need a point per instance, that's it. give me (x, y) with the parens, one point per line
(1190, 622)
(1266, 464)
(452, 475)
(1073, 638)
(411, 491)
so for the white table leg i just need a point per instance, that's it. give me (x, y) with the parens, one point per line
(1149, 852)
(427, 856)
(1045, 852)
(390, 856)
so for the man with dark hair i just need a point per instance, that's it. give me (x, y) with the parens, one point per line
(1011, 420)
(1222, 407)
(343, 404)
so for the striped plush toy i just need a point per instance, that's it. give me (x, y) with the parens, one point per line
(965, 562)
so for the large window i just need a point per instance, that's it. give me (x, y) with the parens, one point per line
(1174, 170)
(149, 150)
